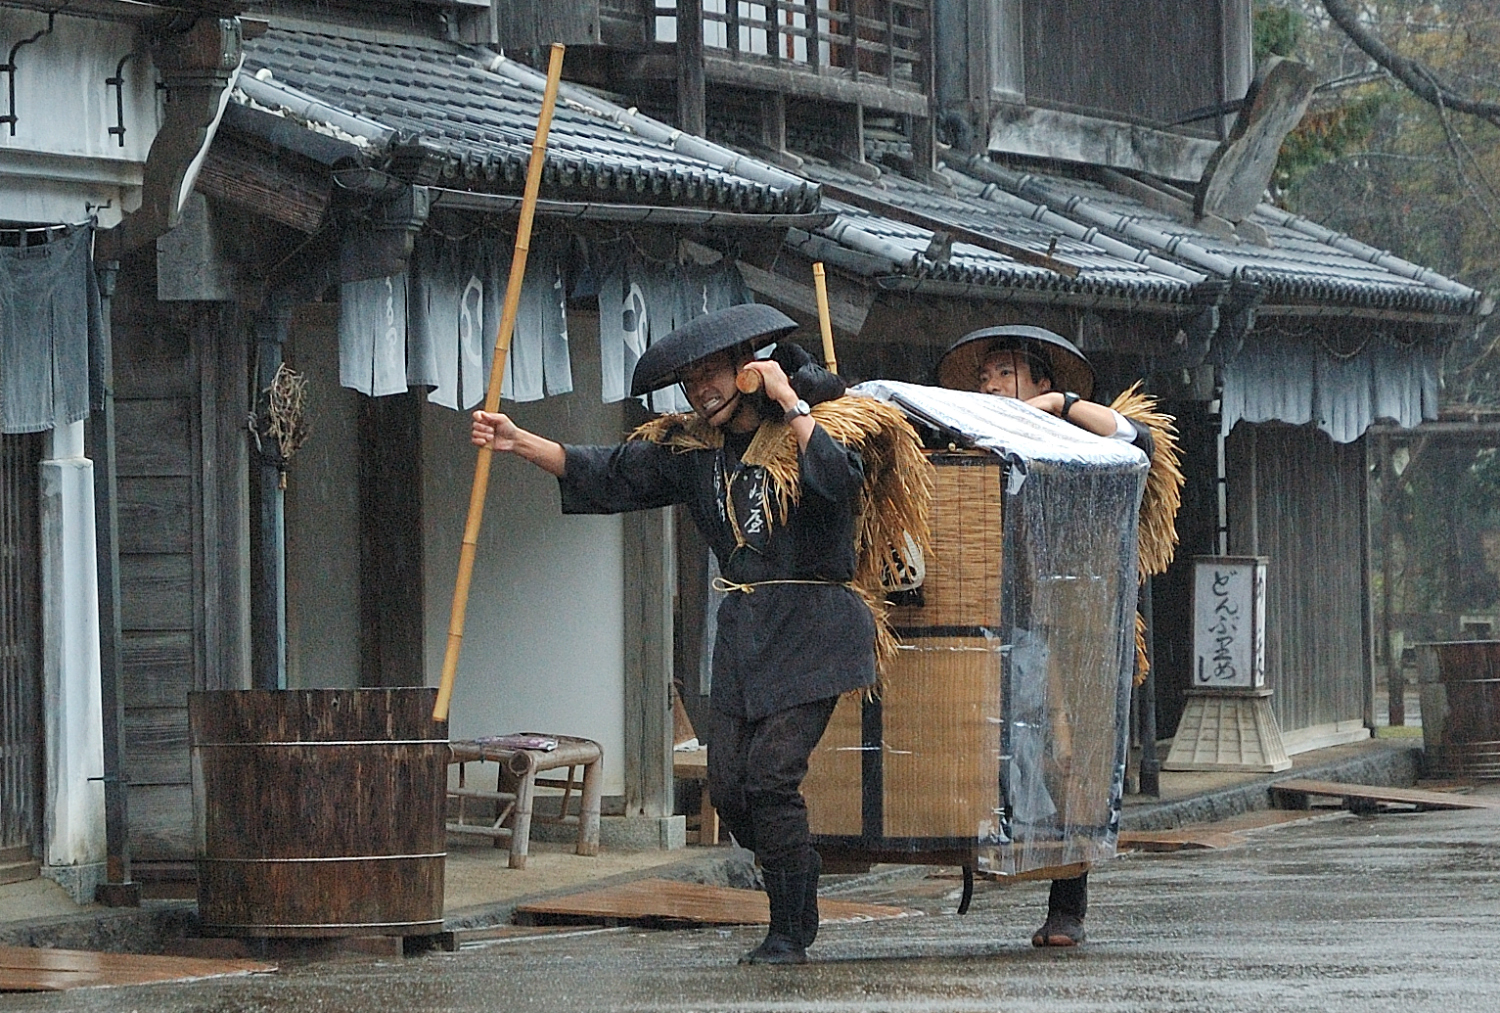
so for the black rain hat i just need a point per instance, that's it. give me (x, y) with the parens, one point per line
(747, 324)
(958, 369)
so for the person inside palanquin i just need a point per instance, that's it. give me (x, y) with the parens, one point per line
(798, 490)
(1051, 374)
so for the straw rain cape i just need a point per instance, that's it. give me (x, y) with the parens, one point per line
(1158, 514)
(897, 487)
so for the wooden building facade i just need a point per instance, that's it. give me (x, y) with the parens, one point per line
(995, 184)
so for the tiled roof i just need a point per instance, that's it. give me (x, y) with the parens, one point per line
(1119, 273)
(475, 115)
(1304, 265)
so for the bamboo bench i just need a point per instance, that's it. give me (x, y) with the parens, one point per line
(515, 790)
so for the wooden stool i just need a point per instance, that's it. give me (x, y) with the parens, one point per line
(692, 765)
(516, 784)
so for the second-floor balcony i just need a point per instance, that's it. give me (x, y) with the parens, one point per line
(875, 52)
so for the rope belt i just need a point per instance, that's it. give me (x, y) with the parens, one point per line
(721, 584)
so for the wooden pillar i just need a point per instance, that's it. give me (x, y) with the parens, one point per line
(225, 455)
(118, 890)
(268, 573)
(1395, 685)
(691, 114)
(650, 578)
(773, 121)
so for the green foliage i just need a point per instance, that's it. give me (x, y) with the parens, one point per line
(1327, 134)
(1276, 30)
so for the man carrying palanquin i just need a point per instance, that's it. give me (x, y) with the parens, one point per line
(1048, 372)
(799, 492)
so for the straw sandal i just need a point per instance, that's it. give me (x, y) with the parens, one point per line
(1060, 929)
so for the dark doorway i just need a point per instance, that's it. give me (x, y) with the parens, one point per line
(20, 650)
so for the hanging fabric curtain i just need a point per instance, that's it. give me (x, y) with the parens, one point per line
(49, 320)
(1288, 378)
(640, 304)
(435, 325)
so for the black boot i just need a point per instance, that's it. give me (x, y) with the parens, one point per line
(1067, 903)
(810, 900)
(783, 943)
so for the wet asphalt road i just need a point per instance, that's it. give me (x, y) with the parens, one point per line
(1397, 912)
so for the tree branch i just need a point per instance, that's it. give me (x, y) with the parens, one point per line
(1415, 75)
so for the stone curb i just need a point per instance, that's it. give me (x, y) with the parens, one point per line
(1398, 766)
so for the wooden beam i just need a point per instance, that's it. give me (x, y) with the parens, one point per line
(238, 174)
(691, 114)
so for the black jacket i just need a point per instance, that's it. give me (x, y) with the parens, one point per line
(779, 645)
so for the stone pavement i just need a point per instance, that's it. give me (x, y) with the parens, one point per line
(480, 890)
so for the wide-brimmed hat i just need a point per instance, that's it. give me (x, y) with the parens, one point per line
(750, 324)
(958, 369)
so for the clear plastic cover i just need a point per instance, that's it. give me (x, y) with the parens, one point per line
(1002, 727)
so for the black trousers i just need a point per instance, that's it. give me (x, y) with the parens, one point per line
(1069, 896)
(755, 772)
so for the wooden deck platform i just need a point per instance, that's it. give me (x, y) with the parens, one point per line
(27, 969)
(1294, 794)
(660, 902)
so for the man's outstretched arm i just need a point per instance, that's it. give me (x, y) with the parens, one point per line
(499, 433)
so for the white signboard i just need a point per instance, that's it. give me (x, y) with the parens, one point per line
(1229, 627)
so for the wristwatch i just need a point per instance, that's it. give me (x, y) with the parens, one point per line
(1069, 400)
(800, 408)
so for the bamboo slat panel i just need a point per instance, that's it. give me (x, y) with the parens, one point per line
(660, 900)
(941, 738)
(962, 587)
(25, 969)
(832, 785)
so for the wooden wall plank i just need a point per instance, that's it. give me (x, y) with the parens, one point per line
(156, 514)
(158, 668)
(153, 437)
(156, 592)
(1105, 57)
(146, 376)
(1294, 497)
(161, 822)
(156, 740)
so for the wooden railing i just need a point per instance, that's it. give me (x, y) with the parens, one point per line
(877, 42)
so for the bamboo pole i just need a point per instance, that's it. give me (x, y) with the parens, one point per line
(825, 322)
(497, 376)
(748, 380)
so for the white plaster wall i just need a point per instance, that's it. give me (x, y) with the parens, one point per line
(543, 642)
(72, 716)
(62, 148)
(322, 516)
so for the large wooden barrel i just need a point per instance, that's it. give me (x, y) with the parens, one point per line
(1460, 693)
(319, 812)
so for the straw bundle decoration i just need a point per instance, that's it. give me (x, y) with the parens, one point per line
(897, 488)
(1158, 515)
